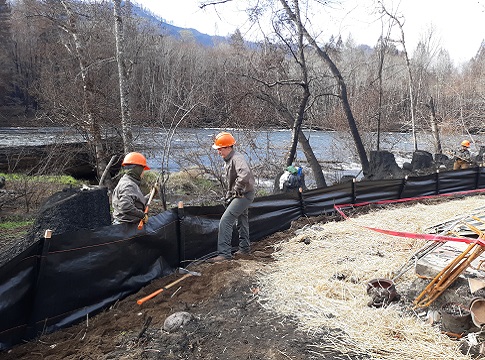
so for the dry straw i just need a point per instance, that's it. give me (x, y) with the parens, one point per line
(323, 283)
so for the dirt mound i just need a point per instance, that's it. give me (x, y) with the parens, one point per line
(228, 321)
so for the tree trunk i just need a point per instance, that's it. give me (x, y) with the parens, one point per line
(434, 128)
(123, 79)
(410, 76)
(88, 94)
(341, 85)
(381, 54)
(312, 161)
(307, 149)
(296, 129)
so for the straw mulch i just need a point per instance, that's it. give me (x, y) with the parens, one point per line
(321, 274)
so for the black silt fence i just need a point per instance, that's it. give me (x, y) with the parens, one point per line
(58, 281)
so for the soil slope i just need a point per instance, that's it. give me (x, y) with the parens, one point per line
(227, 322)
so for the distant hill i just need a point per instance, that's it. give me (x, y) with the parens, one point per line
(173, 30)
(204, 39)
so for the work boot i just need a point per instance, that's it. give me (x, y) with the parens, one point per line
(241, 252)
(218, 258)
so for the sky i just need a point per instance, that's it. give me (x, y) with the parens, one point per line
(458, 26)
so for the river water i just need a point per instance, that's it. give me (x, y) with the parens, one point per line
(192, 147)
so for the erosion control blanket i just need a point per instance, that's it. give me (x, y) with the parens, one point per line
(62, 280)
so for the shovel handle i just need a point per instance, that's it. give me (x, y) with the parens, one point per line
(155, 293)
(148, 297)
(152, 193)
(140, 224)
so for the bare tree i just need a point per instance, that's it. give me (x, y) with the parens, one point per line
(339, 79)
(123, 77)
(64, 15)
(6, 52)
(70, 27)
(409, 69)
(295, 122)
(434, 128)
(382, 48)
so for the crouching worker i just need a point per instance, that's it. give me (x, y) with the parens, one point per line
(128, 201)
(462, 158)
(240, 181)
(292, 179)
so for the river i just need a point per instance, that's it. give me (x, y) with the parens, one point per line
(190, 147)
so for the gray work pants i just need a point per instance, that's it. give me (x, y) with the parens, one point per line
(236, 212)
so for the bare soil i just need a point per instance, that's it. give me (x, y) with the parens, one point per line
(228, 321)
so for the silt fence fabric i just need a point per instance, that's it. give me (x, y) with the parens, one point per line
(60, 280)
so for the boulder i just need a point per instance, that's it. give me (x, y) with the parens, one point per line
(382, 165)
(422, 160)
(407, 166)
(443, 161)
(75, 159)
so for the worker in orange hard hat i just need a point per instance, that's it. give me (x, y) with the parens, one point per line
(128, 201)
(240, 194)
(462, 157)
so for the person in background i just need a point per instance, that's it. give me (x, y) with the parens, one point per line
(128, 201)
(292, 179)
(240, 195)
(462, 158)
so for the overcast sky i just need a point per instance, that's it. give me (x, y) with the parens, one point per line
(459, 26)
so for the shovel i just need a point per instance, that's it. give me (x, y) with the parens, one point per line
(152, 193)
(159, 291)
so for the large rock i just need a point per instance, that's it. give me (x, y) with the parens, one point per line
(443, 161)
(383, 165)
(480, 158)
(73, 209)
(422, 161)
(176, 321)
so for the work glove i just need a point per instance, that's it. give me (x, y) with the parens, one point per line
(230, 195)
(145, 218)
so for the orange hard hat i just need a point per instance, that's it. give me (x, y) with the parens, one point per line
(465, 143)
(223, 139)
(135, 158)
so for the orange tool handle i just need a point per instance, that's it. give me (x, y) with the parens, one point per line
(148, 297)
(152, 193)
(155, 293)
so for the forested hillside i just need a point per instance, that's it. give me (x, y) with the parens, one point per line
(222, 85)
(63, 63)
